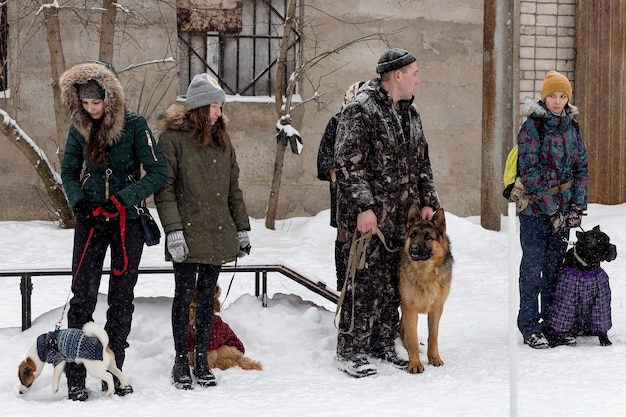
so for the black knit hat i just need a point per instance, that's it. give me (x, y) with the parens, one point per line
(394, 59)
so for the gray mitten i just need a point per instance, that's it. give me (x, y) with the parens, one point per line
(177, 246)
(244, 243)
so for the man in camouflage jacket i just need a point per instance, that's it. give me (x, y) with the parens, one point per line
(383, 167)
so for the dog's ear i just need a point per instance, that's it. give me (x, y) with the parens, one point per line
(415, 215)
(217, 305)
(26, 372)
(597, 227)
(439, 218)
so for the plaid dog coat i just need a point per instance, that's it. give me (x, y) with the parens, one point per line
(68, 345)
(221, 334)
(582, 303)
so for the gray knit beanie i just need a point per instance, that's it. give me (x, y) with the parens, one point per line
(394, 59)
(203, 91)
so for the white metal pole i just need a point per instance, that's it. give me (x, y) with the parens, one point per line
(513, 297)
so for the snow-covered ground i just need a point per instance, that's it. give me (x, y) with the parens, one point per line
(295, 338)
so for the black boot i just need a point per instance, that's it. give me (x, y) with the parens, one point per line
(201, 370)
(117, 385)
(340, 264)
(180, 373)
(77, 393)
(76, 390)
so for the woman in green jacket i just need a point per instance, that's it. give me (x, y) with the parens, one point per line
(203, 214)
(106, 147)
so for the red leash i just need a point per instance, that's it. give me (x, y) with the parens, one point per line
(101, 212)
(122, 213)
(58, 325)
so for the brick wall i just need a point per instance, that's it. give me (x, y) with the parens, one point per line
(547, 34)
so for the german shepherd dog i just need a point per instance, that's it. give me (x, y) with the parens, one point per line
(425, 275)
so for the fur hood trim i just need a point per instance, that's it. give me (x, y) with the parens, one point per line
(537, 107)
(114, 108)
(175, 118)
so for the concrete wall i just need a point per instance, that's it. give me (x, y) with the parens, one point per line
(446, 37)
(149, 34)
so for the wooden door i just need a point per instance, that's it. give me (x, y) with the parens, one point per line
(600, 94)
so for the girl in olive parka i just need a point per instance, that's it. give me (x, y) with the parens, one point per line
(203, 214)
(106, 147)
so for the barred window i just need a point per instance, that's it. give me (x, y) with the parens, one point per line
(240, 45)
(4, 45)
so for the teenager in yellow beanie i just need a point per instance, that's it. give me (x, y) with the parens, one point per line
(555, 82)
(553, 168)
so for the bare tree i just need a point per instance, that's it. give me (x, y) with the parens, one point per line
(40, 162)
(284, 109)
(50, 10)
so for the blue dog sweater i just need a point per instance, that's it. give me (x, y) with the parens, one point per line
(68, 345)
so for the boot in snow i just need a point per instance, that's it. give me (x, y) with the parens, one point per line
(180, 373)
(204, 376)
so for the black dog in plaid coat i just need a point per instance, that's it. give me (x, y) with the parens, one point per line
(582, 300)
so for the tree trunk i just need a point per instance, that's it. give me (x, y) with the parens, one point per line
(53, 187)
(272, 206)
(107, 31)
(57, 65)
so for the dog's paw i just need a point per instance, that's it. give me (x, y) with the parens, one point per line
(435, 360)
(604, 341)
(415, 368)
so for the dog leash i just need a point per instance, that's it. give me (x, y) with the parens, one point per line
(80, 263)
(231, 281)
(356, 260)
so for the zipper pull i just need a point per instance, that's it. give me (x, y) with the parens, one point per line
(151, 146)
(107, 175)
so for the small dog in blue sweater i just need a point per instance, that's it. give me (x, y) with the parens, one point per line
(88, 346)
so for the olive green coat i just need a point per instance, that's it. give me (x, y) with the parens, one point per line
(201, 195)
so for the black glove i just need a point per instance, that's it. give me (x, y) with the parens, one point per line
(110, 207)
(84, 211)
(558, 221)
(574, 217)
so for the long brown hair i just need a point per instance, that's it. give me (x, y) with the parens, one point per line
(200, 118)
(97, 148)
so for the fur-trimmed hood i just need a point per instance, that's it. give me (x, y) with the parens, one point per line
(114, 107)
(175, 118)
(538, 108)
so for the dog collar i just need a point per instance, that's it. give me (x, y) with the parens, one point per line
(579, 259)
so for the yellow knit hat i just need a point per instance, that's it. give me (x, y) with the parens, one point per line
(555, 81)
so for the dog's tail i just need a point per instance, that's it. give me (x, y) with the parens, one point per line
(91, 329)
(249, 364)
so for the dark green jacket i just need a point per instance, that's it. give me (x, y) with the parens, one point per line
(202, 195)
(134, 149)
(128, 139)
